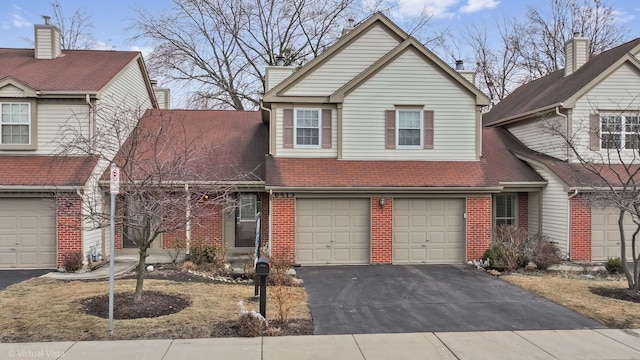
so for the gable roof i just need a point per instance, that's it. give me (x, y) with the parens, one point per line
(410, 43)
(504, 165)
(74, 70)
(220, 145)
(556, 89)
(32, 172)
(406, 41)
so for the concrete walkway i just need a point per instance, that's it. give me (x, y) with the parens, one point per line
(122, 265)
(599, 344)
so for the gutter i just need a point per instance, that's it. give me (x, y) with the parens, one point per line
(531, 112)
(381, 190)
(37, 188)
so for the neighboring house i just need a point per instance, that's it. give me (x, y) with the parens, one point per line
(44, 91)
(212, 153)
(595, 103)
(376, 156)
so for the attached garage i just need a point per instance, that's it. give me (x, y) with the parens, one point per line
(428, 231)
(605, 234)
(333, 231)
(27, 233)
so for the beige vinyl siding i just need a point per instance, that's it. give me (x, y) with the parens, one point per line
(92, 233)
(346, 64)
(53, 117)
(10, 91)
(617, 92)
(409, 80)
(305, 152)
(534, 212)
(555, 207)
(535, 135)
(568, 60)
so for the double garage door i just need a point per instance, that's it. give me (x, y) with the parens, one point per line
(605, 234)
(337, 231)
(27, 233)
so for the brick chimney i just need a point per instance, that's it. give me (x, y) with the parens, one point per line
(47, 40)
(576, 53)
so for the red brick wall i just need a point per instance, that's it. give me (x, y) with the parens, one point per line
(264, 219)
(284, 227)
(117, 237)
(478, 226)
(523, 211)
(69, 226)
(381, 230)
(580, 229)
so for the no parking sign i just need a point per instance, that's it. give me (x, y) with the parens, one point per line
(115, 180)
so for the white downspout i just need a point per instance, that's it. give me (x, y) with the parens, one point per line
(568, 130)
(92, 119)
(270, 219)
(188, 219)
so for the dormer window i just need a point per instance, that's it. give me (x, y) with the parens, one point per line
(15, 123)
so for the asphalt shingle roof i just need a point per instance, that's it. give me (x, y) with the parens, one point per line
(34, 170)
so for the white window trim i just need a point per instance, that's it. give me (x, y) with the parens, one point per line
(295, 129)
(30, 124)
(623, 132)
(421, 113)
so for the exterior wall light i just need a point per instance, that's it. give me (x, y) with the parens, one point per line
(381, 202)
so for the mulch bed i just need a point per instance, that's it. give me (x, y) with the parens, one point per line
(152, 304)
(619, 293)
(287, 328)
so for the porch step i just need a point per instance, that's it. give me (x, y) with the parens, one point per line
(239, 261)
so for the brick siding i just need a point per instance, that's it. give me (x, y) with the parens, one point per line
(580, 229)
(523, 211)
(284, 227)
(381, 231)
(69, 226)
(478, 226)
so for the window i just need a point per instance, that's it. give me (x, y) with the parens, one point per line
(505, 209)
(248, 207)
(409, 129)
(620, 131)
(308, 125)
(15, 124)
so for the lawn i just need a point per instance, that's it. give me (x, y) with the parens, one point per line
(44, 309)
(573, 292)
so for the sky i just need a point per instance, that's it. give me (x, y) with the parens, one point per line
(112, 19)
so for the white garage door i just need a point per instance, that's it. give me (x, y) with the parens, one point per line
(605, 234)
(332, 231)
(27, 233)
(428, 231)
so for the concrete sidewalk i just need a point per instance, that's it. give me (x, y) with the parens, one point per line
(598, 344)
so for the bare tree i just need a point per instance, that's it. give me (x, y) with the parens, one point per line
(75, 30)
(220, 47)
(497, 66)
(167, 176)
(609, 177)
(548, 28)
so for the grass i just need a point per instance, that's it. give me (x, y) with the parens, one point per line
(48, 310)
(575, 294)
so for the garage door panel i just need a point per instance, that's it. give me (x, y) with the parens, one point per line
(339, 229)
(27, 233)
(436, 231)
(605, 234)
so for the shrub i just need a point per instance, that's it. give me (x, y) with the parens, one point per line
(614, 266)
(201, 254)
(512, 247)
(178, 246)
(492, 255)
(545, 253)
(250, 323)
(279, 273)
(73, 261)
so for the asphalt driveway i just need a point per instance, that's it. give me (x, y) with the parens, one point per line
(425, 298)
(10, 277)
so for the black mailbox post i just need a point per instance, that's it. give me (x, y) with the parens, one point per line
(263, 267)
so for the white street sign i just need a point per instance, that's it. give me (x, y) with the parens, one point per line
(115, 180)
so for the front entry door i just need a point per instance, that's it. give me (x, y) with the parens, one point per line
(246, 211)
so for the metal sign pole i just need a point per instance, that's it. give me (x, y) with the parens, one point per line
(114, 189)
